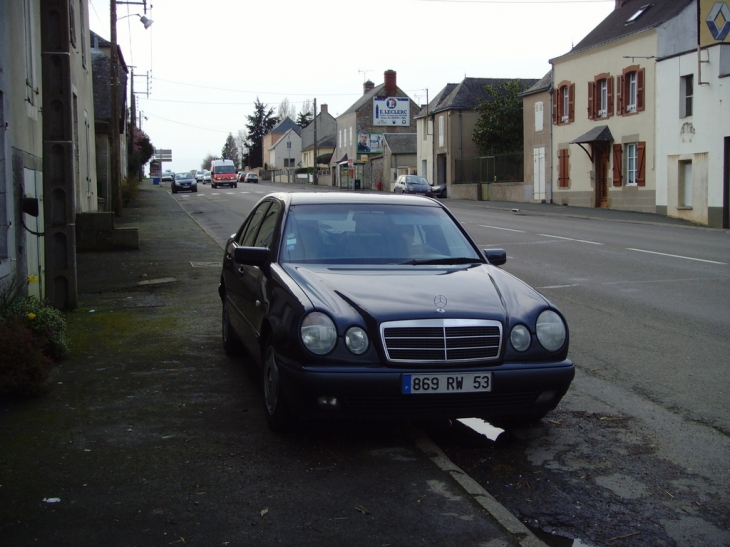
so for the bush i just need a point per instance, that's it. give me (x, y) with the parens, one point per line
(32, 337)
(23, 366)
(130, 188)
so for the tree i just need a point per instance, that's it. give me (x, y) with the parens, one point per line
(499, 128)
(230, 150)
(286, 110)
(205, 165)
(141, 152)
(241, 146)
(259, 124)
(306, 116)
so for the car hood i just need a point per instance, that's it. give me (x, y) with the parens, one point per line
(390, 293)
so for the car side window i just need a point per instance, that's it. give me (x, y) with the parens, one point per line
(266, 233)
(248, 234)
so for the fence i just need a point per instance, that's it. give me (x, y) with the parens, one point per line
(503, 168)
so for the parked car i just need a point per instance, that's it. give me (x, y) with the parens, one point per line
(184, 182)
(252, 178)
(199, 175)
(240, 176)
(412, 184)
(168, 176)
(438, 190)
(381, 306)
(206, 177)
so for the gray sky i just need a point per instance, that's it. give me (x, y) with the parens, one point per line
(209, 61)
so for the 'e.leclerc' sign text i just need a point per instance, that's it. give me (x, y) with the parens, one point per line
(391, 111)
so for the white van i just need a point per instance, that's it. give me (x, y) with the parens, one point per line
(223, 173)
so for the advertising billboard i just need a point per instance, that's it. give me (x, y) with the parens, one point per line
(391, 111)
(714, 22)
(369, 143)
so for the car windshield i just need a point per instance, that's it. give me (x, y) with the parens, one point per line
(179, 176)
(374, 234)
(416, 180)
(225, 169)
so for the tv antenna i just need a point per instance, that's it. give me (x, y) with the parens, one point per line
(364, 73)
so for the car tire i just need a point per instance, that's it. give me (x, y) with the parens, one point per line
(231, 343)
(277, 412)
(195, 189)
(235, 185)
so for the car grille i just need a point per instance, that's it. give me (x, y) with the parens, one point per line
(442, 340)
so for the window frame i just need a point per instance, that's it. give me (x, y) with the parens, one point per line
(632, 88)
(686, 96)
(564, 103)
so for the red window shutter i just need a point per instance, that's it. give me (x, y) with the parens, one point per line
(571, 103)
(617, 166)
(609, 106)
(591, 104)
(556, 113)
(640, 89)
(563, 168)
(620, 94)
(641, 170)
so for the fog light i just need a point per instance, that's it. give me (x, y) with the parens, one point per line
(545, 397)
(328, 403)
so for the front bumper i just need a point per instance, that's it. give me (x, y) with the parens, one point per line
(517, 390)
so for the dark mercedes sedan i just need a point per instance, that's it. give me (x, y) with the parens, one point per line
(382, 307)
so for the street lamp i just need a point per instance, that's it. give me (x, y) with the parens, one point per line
(116, 183)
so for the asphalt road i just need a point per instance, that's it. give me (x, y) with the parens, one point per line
(643, 436)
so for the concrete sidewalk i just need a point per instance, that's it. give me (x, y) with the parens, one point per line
(150, 435)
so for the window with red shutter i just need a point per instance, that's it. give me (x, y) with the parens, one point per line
(617, 165)
(556, 102)
(591, 104)
(640, 89)
(641, 167)
(571, 103)
(609, 106)
(563, 168)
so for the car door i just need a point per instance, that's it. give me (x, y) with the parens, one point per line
(237, 294)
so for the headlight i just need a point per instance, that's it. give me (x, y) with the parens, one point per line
(550, 330)
(520, 338)
(356, 340)
(318, 332)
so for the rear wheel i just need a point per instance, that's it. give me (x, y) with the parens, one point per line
(277, 412)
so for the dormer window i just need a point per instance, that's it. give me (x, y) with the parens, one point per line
(638, 14)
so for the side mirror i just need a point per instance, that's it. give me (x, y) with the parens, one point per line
(252, 256)
(497, 257)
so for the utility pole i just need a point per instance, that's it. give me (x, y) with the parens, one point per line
(315, 177)
(116, 183)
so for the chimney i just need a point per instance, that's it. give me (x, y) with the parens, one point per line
(367, 87)
(390, 81)
(323, 109)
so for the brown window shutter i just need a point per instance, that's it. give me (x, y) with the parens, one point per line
(641, 170)
(591, 104)
(571, 103)
(556, 99)
(563, 168)
(617, 166)
(640, 89)
(620, 94)
(609, 106)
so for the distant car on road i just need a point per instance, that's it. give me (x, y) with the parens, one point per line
(206, 177)
(252, 178)
(439, 190)
(184, 182)
(168, 176)
(412, 184)
(240, 176)
(199, 175)
(378, 306)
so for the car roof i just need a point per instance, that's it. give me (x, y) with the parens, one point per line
(316, 198)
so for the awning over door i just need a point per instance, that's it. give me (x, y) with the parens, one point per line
(600, 133)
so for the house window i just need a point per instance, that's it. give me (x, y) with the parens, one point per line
(600, 97)
(635, 163)
(564, 103)
(539, 116)
(72, 22)
(82, 20)
(441, 131)
(350, 136)
(685, 184)
(339, 138)
(685, 96)
(30, 84)
(631, 90)
(563, 168)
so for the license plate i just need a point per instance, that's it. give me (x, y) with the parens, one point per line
(412, 384)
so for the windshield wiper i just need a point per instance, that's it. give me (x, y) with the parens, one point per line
(450, 260)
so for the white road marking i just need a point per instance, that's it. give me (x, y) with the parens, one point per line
(571, 239)
(677, 256)
(559, 286)
(498, 228)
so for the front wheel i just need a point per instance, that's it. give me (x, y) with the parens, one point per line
(277, 412)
